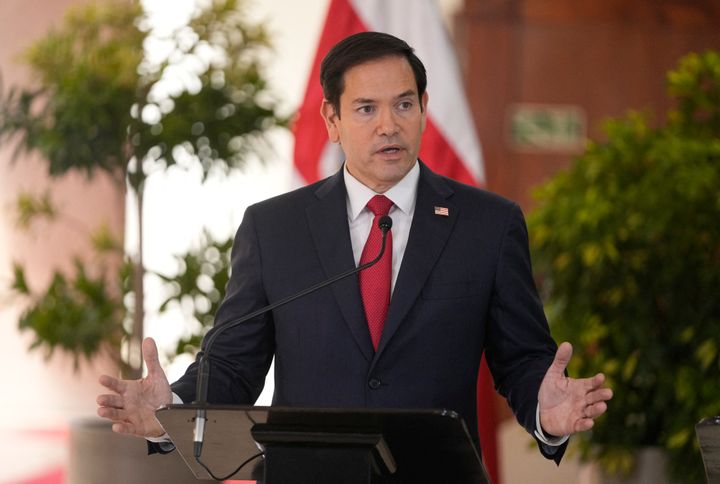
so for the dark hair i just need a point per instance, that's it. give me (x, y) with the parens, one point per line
(359, 48)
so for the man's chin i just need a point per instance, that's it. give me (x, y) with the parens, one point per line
(395, 172)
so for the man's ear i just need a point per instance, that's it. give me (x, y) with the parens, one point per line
(424, 104)
(327, 111)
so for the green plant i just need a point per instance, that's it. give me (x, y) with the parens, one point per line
(90, 310)
(627, 245)
(100, 104)
(197, 287)
(80, 311)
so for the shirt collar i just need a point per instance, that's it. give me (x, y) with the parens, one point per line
(402, 194)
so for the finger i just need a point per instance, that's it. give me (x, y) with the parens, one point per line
(115, 401)
(601, 395)
(584, 424)
(128, 428)
(590, 384)
(111, 383)
(123, 428)
(562, 358)
(114, 414)
(594, 382)
(150, 355)
(595, 410)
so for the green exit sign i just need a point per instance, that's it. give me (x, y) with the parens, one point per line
(547, 127)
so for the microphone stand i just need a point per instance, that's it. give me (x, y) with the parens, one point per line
(384, 224)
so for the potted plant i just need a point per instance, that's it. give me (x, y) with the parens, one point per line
(627, 246)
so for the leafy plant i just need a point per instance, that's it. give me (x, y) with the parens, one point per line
(100, 104)
(90, 312)
(627, 242)
(196, 288)
(82, 311)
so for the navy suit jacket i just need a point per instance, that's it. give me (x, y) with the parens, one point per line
(465, 286)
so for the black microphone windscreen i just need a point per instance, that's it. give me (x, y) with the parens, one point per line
(385, 223)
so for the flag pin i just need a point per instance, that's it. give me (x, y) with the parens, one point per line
(442, 211)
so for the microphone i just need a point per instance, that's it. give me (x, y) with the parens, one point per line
(384, 224)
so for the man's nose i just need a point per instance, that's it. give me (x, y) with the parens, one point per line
(387, 123)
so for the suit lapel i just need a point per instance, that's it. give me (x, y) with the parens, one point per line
(328, 224)
(428, 234)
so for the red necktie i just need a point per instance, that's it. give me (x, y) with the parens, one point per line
(375, 281)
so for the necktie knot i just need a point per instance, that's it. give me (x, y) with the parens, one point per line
(380, 205)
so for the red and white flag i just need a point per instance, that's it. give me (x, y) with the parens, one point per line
(449, 145)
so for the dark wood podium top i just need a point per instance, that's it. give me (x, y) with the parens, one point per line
(435, 443)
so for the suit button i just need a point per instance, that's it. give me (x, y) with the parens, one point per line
(374, 383)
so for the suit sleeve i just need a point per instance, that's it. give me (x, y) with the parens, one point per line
(519, 346)
(241, 356)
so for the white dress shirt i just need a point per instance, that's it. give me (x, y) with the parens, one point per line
(360, 218)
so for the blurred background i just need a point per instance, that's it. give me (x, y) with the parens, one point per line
(133, 137)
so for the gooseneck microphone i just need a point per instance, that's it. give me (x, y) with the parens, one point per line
(384, 224)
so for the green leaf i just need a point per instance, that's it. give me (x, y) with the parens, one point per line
(706, 353)
(29, 207)
(103, 240)
(19, 283)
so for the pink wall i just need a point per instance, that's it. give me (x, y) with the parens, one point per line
(40, 394)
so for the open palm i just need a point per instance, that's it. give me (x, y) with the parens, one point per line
(132, 405)
(569, 405)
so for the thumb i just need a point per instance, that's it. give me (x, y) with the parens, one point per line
(150, 355)
(562, 358)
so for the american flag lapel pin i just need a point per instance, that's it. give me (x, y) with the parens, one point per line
(442, 211)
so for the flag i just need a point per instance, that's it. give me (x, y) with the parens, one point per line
(449, 145)
(442, 211)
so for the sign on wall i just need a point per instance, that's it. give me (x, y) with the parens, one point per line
(547, 127)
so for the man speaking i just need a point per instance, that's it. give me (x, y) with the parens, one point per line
(454, 281)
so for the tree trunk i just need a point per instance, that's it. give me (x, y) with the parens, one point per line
(134, 354)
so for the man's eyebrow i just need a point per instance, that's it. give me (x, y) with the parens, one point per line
(367, 100)
(408, 93)
(363, 100)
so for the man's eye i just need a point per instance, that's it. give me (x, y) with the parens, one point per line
(366, 109)
(405, 105)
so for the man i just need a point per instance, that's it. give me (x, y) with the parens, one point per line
(409, 332)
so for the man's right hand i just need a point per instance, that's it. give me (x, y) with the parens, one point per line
(131, 407)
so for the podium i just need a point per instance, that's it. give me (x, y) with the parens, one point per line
(327, 445)
(708, 434)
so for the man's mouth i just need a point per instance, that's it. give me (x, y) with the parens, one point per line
(390, 149)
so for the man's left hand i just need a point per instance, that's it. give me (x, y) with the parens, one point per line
(569, 405)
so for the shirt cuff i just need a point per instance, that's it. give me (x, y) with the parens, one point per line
(165, 438)
(551, 441)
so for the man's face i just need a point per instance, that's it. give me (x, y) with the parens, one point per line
(381, 121)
